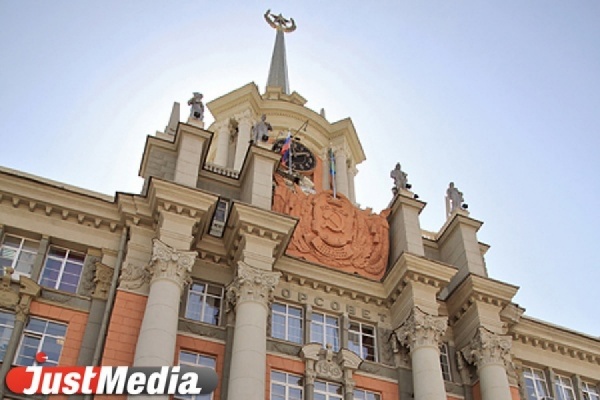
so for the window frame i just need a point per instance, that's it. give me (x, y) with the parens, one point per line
(286, 385)
(199, 358)
(561, 384)
(203, 303)
(42, 336)
(5, 341)
(19, 251)
(590, 391)
(446, 367)
(327, 393)
(361, 335)
(365, 396)
(286, 326)
(63, 263)
(533, 378)
(334, 346)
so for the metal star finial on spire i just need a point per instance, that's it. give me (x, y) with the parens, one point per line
(278, 76)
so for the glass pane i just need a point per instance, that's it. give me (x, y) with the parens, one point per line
(55, 329)
(76, 257)
(278, 376)
(25, 262)
(187, 358)
(279, 308)
(296, 312)
(316, 333)
(36, 325)
(57, 252)
(316, 317)
(215, 290)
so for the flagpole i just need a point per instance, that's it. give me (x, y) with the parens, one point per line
(291, 154)
(332, 172)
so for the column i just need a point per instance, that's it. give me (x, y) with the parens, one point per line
(251, 293)
(341, 171)
(352, 171)
(421, 333)
(490, 353)
(243, 139)
(170, 271)
(222, 150)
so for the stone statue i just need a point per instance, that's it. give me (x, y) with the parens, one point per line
(260, 130)
(280, 23)
(197, 110)
(454, 199)
(400, 179)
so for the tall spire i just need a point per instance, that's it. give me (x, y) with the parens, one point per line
(278, 75)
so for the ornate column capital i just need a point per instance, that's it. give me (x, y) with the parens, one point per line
(170, 264)
(244, 117)
(487, 348)
(421, 329)
(252, 284)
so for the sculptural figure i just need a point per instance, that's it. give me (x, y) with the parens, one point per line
(400, 178)
(454, 199)
(260, 130)
(197, 108)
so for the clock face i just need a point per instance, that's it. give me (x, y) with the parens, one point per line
(302, 158)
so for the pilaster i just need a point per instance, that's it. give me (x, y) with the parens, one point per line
(257, 177)
(341, 170)
(243, 139)
(405, 228)
(192, 144)
(222, 150)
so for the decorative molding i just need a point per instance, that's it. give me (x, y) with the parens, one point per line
(326, 364)
(102, 280)
(133, 277)
(170, 264)
(487, 348)
(201, 329)
(9, 297)
(421, 329)
(87, 277)
(252, 284)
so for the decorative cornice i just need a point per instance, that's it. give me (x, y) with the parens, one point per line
(421, 329)
(488, 348)
(252, 285)
(170, 264)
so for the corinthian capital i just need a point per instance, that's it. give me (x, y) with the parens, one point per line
(488, 348)
(252, 284)
(421, 329)
(168, 263)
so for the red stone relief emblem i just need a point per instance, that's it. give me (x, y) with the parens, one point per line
(333, 232)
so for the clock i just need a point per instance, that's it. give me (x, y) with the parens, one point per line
(303, 159)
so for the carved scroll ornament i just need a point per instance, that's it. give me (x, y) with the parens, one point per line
(333, 232)
(252, 284)
(421, 329)
(488, 347)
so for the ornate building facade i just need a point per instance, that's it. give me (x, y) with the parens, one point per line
(263, 267)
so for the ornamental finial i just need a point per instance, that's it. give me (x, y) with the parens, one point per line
(279, 22)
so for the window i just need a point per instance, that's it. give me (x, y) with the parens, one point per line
(590, 391)
(286, 322)
(361, 340)
(535, 383)
(18, 253)
(195, 360)
(325, 329)
(285, 386)
(7, 323)
(327, 391)
(41, 335)
(445, 362)
(563, 388)
(62, 269)
(365, 395)
(204, 303)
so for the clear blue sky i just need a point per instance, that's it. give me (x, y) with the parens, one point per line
(502, 98)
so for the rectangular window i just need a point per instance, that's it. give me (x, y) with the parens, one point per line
(362, 341)
(590, 391)
(286, 322)
(41, 335)
(204, 302)
(325, 329)
(366, 395)
(62, 269)
(195, 360)
(563, 388)
(286, 386)
(7, 323)
(535, 383)
(328, 391)
(445, 362)
(18, 253)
